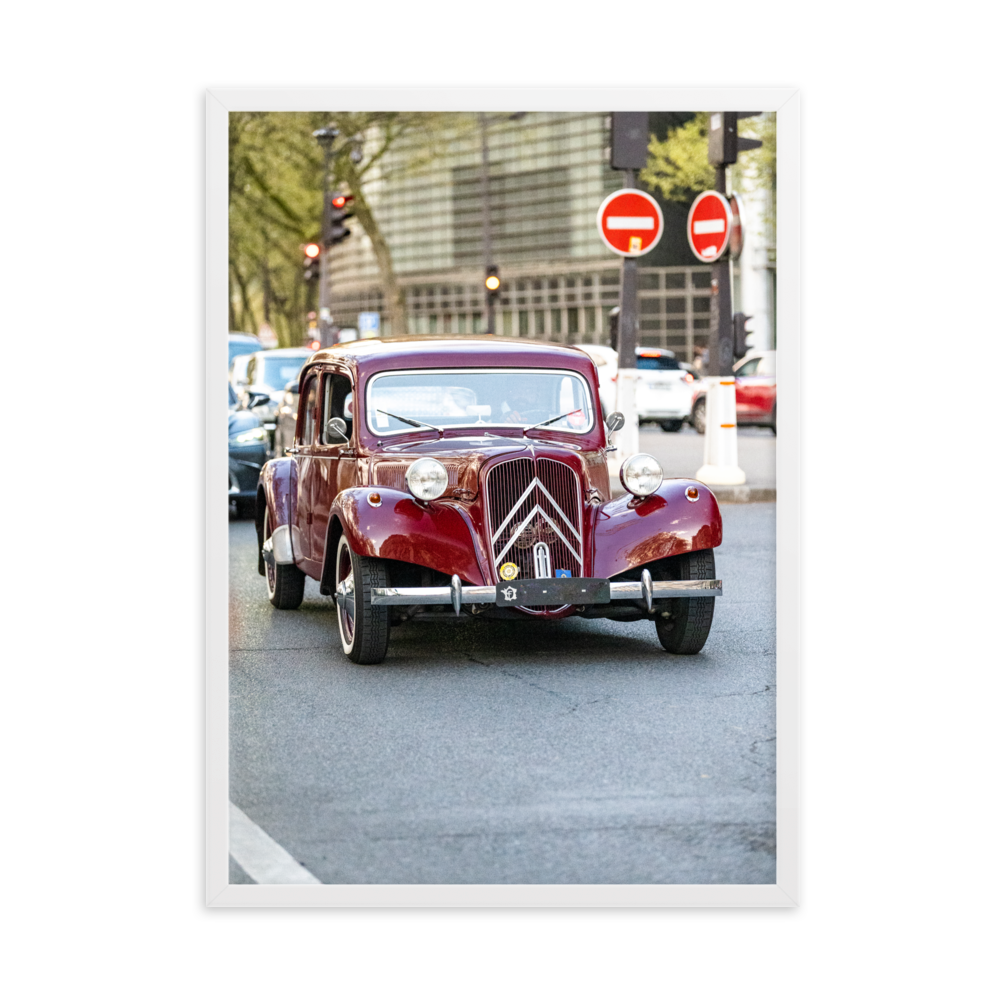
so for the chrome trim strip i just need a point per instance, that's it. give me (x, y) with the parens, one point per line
(633, 589)
(434, 595)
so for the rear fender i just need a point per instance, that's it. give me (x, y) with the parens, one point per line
(434, 535)
(276, 494)
(629, 532)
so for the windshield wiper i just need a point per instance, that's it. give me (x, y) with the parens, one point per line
(412, 423)
(551, 420)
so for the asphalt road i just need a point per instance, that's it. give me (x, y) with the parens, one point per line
(683, 453)
(501, 752)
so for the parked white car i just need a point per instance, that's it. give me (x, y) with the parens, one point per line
(663, 392)
(664, 388)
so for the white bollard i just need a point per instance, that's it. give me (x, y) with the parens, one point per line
(722, 467)
(627, 439)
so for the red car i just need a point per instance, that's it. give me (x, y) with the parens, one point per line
(469, 477)
(756, 393)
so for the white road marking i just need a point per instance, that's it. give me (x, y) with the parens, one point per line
(709, 226)
(262, 858)
(630, 222)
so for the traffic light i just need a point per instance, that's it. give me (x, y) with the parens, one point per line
(723, 141)
(740, 335)
(629, 139)
(492, 284)
(310, 266)
(338, 209)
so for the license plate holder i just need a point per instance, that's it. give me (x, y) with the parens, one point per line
(554, 591)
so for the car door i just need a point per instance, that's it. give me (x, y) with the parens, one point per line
(306, 463)
(745, 397)
(334, 457)
(754, 389)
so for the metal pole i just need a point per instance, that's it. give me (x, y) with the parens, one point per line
(720, 349)
(628, 324)
(324, 269)
(487, 230)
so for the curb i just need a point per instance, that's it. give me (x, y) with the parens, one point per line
(727, 494)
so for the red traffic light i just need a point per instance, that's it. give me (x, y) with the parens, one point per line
(340, 200)
(312, 250)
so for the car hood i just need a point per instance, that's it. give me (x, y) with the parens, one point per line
(462, 457)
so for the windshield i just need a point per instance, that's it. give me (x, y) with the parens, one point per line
(509, 397)
(237, 347)
(276, 373)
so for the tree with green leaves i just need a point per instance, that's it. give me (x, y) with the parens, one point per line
(276, 186)
(678, 165)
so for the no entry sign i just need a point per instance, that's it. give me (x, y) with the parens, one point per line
(710, 222)
(630, 222)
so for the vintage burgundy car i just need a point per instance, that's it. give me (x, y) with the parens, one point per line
(468, 476)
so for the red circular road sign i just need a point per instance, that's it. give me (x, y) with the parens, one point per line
(736, 236)
(710, 222)
(630, 222)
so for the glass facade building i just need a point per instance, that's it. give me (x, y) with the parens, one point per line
(548, 173)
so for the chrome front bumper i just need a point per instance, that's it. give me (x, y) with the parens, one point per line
(555, 592)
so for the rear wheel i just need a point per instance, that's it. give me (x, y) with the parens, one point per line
(686, 630)
(774, 419)
(671, 426)
(698, 415)
(286, 585)
(364, 627)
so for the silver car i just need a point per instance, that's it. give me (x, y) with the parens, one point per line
(269, 372)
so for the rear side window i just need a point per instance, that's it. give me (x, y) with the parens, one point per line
(661, 363)
(307, 412)
(750, 368)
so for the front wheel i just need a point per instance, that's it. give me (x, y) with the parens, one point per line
(286, 585)
(364, 627)
(671, 426)
(698, 415)
(686, 630)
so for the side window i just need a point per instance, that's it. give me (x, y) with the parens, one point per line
(307, 412)
(338, 401)
(750, 368)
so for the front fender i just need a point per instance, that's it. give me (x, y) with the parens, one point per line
(630, 532)
(432, 535)
(279, 486)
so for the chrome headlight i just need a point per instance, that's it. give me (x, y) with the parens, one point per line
(641, 475)
(427, 479)
(246, 437)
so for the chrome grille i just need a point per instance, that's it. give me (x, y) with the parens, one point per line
(529, 503)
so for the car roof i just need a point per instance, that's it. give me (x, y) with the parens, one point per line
(487, 351)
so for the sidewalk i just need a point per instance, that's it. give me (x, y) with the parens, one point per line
(682, 454)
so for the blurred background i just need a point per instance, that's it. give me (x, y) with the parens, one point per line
(412, 227)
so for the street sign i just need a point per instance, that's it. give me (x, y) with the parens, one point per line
(709, 225)
(736, 236)
(368, 325)
(630, 222)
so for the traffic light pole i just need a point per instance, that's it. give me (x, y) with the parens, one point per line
(720, 348)
(721, 465)
(491, 316)
(628, 323)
